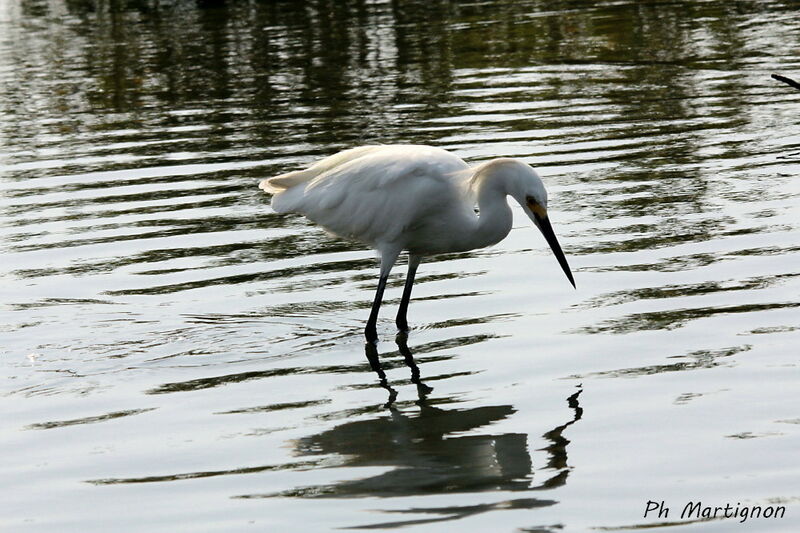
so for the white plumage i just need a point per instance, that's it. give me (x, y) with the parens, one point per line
(416, 198)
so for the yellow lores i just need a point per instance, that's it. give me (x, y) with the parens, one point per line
(537, 209)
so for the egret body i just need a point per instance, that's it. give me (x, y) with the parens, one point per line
(415, 198)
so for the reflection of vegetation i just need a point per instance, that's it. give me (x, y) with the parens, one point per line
(693, 361)
(675, 318)
(274, 407)
(686, 290)
(298, 466)
(88, 419)
(306, 68)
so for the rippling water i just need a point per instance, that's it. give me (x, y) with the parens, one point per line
(176, 356)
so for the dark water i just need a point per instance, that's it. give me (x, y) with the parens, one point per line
(177, 357)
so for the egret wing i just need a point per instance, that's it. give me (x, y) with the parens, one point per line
(376, 195)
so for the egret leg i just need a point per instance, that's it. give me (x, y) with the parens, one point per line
(370, 332)
(387, 262)
(402, 322)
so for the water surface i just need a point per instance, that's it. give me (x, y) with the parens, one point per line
(176, 356)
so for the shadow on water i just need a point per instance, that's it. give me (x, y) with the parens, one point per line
(435, 451)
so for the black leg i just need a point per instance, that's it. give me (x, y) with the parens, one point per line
(402, 322)
(370, 332)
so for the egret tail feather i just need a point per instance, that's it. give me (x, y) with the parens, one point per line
(287, 181)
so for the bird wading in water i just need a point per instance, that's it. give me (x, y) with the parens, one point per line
(415, 198)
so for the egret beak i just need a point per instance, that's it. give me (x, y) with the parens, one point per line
(543, 223)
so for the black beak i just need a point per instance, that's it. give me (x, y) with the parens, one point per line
(550, 236)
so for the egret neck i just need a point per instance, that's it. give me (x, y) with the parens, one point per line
(494, 214)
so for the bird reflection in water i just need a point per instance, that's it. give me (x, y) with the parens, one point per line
(436, 451)
(374, 362)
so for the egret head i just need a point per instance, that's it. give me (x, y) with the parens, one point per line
(529, 191)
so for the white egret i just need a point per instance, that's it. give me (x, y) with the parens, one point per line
(415, 198)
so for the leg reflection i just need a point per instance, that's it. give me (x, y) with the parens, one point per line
(422, 389)
(371, 351)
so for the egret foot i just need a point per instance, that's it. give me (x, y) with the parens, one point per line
(371, 334)
(402, 337)
(402, 327)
